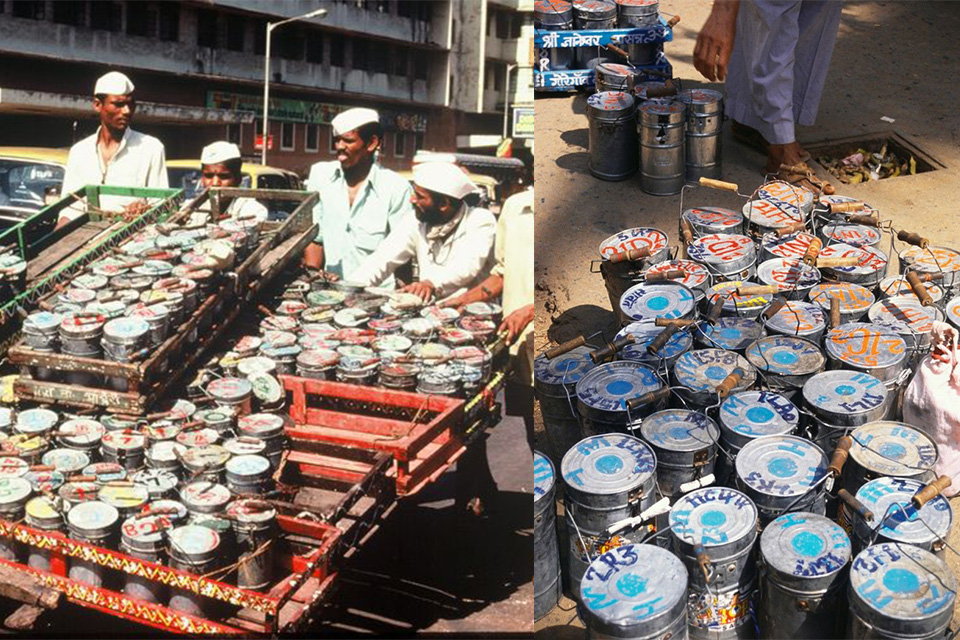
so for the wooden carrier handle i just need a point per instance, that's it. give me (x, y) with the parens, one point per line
(919, 289)
(758, 290)
(840, 454)
(732, 380)
(838, 261)
(686, 230)
(601, 354)
(567, 346)
(715, 309)
(846, 207)
(649, 398)
(662, 276)
(812, 252)
(617, 50)
(773, 308)
(661, 92)
(631, 255)
(913, 238)
(930, 491)
(672, 22)
(795, 168)
(666, 322)
(793, 227)
(719, 184)
(855, 505)
(865, 220)
(834, 312)
(662, 338)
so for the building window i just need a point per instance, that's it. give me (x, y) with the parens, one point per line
(333, 141)
(361, 49)
(235, 134)
(336, 50)
(399, 144)
(401, 62)
(206, 28)
(420, 63)
(169, 22)
(290, 45)
(69, 12)
(418, 141)
(140, 18)
(311, 138)
(503, 25)
(497, 76)
(381, 61)
(491, 18)
(236, 25)
(286, 136)
(31, 9)
(515, 25)
(314, 40)
(105, 16)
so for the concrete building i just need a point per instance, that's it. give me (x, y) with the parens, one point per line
(198, 67)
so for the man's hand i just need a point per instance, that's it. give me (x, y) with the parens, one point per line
(458, 303)
(134, 210)
(516, 322)
(423, 290)
(711, 55)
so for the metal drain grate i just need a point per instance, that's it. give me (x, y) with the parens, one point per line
(894, 143)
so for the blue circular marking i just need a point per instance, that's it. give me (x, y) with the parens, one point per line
(730, 333)
(759, 414)
(845, 390)
(901, 581)
(573, 363)
(713, 518)
(619, 388)
(716, 373)
(892, 450)
(782, 467)
(679, 433)
(785, 357)
(608, 464)
(657, 303)
(912, 513)
(808, 544)
(631, 585)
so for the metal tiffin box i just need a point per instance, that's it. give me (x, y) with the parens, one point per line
(713, 531)
(729, 333)
(554, 15)
(791, 275)
(625, 256)
(800, 319)
(899, 591)
(685, 443)
(804, 563)
(555, 386)
(606, 479)
(636, 591)
(704, 109)
(934, 260)
(842, 400)
(603, 395)
(728, 256)
(867, 348)
(706, 221)
(661, 128)
(897, 519)
(546, 558)
(697, 375)
(785, 363)
(870, 269)
(612, 118)
(889, 449)
(644, 333)
(669, 300)
(748, 415)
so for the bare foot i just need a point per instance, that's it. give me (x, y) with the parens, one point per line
(789, 155)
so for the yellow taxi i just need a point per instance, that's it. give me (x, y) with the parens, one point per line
(185, 174)
(30, 179)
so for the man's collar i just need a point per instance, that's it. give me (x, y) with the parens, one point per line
(123, 140)
(370, 182)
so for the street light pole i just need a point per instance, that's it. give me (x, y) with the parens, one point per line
(506, 100)
(319, 13)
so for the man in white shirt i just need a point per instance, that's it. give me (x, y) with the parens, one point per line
(453, 243)
(115, 155)
(361, 203)
(220, 166)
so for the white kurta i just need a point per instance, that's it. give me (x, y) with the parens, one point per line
(138, 162)
(461, 261)
(514, 254)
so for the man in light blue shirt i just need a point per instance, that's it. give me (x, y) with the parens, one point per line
(360, 202)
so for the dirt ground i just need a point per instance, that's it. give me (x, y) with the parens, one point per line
(892, 59)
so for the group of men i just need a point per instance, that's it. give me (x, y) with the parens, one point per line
(371, 221)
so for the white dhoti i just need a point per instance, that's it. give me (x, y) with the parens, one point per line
(779, 64)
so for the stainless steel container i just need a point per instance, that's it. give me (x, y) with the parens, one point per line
(704, 122)
(895, 286)
(645, 333)
(804, 563)
(647, 302)
(721, 525)
(65, 461)
(36, 422)
(793, 277)
(727, 256)
(145, 537)
(41, 330)
(707, 221)
(914, 320)
(869, 270)
(268, 427)
(789, 246)
(255, 526)
(194, 549)
(736, 304)
(934, 260)
(612, 76)
(202, 498)
(127, 500)
(612, 118)
(868, 349)
(606, 478)
(889, 449)
(785, 363)
(205, 463)
(165, 456)
(855, 235)
(82, 434)
(44, 513)
(555, 386)
(728, 332)
(14, 494)
(95, 523)
(620, 276)
(232, 393)
(662, 131)
(855, 300)
(158, 483)
(592, 14)
(401, 376)
(248, 475)
(546, 557)
(841, 401)
(636, 591)
(899, 591)
(641, 49)
(748, 415)
(782, 474)
(124, 448)
(896, 519)
(685, 444)
(800, 319)
(602, 395)
(697, 374)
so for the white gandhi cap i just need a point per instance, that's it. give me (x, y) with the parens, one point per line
(443, 177)
(352, 119)
(113, 84)
(220, 151)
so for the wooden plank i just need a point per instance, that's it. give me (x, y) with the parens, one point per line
(378, 395)
(66, 247)
(358, 422)
(25, 356)
(56, 393)
(348, 438)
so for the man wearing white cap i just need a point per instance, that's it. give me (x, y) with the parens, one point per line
(115, 155)
(360, 201)
(453, 243)
(220, 166)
